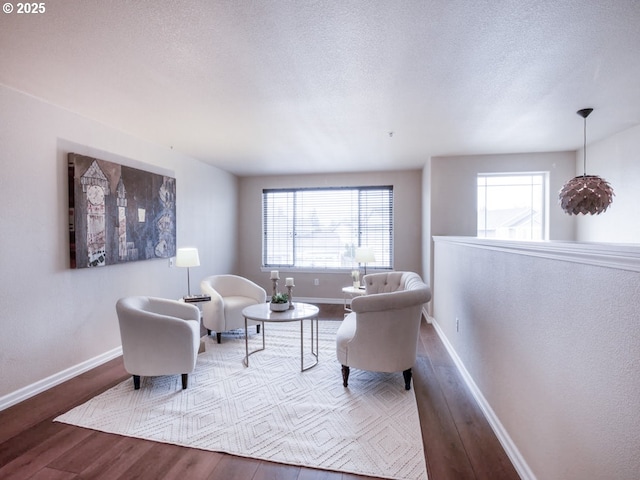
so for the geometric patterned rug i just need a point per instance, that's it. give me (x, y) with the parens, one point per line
(272, 411)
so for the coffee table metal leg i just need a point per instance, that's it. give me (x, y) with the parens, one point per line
(313, 352)
(246, 342)
(317, 337)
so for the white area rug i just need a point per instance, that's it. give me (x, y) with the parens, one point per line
(271, 410)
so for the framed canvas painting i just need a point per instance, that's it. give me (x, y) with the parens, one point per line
(118, 214)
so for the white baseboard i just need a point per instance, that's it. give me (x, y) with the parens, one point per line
(56, 379)
(503, 436)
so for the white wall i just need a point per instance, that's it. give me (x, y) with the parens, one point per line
(454, 189)
(54, 318)
(427, 257)
(616, 159)
(451, 185)
(552, 345)
(407, 199)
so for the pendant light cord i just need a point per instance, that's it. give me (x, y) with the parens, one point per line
(584, 149)
(584, 113)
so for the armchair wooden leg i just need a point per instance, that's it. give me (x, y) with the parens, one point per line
(407, 379)
(136, 382)
(345, 375)
(219, 336)
(258, 328)
(185, 380)
(208, 332)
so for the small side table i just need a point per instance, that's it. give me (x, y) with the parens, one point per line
(196, 300)
(349, 293)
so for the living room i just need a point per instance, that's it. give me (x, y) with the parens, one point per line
(70, 325)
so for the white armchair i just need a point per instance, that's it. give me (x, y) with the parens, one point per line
(230, 294)
(381, 333)
(159, 337)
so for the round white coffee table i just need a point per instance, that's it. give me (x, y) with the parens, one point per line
(301, 312)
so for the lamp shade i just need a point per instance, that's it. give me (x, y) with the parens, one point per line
(586, 194)
(187, 257)
(365, 255)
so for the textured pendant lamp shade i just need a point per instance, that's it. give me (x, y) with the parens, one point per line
(187, 257)
(586, 194)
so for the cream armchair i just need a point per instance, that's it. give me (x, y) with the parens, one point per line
(230, 294)
(159, 337)
(381, 332)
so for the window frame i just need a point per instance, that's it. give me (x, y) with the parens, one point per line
(385, 246)
(544, 212)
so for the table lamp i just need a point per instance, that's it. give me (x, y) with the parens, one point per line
(187, 257)
(365, 255)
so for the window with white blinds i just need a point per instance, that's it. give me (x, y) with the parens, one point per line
(320, 228)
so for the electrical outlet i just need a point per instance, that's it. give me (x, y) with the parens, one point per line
(316, 281)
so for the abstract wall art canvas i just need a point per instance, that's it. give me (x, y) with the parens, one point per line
(118, 214)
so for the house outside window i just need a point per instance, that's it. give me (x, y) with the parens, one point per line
(320, 228)
(513, 205)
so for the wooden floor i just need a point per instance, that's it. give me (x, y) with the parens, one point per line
(458, 441)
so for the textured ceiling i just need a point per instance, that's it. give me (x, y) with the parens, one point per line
(262, 87)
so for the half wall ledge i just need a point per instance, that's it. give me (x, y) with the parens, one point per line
(609, 255)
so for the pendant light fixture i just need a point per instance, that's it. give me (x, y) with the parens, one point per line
(586, 193)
